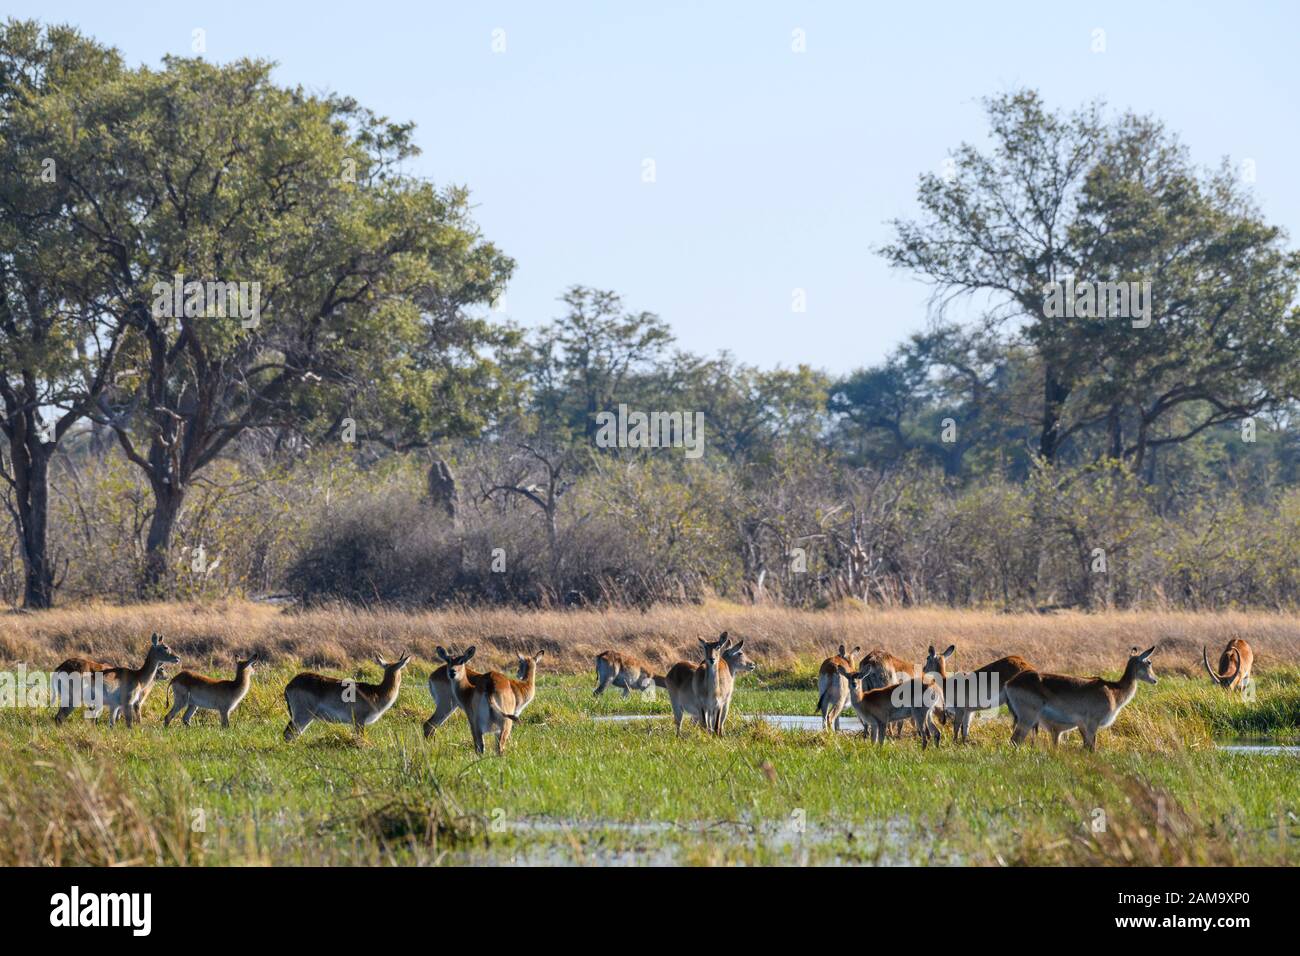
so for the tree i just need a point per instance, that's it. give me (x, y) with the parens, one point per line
(214, 174)
(590, 359)
(57, 353)
(1118, 201)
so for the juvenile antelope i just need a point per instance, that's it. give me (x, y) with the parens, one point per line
(881, 669)
(445, 700)
(191, 692)
(312, 696)
(983, 689)
(832, 689)
(916, 699)
(491, 701)
(1239, 656)
(623, 670)
(1061, 702)
(125, 688)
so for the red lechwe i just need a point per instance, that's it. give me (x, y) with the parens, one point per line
(832, 689)
(191, 692)
(1235, 664)
(125, 689)
(312, 696)
(1060, 702)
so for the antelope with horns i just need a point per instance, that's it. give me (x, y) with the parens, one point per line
(312, 696)
(689, 685)
(492, 702)
(832, 689)
(1235, 664)
(191, 692)
(1060, 702)
(623, 670)
(445, 700)
(125, 688)
(966, 694)
(916, 699)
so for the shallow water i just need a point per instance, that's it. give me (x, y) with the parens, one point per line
(1270, 750)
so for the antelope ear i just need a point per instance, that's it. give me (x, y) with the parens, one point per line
(380, 661)
(738, 645)
(704, 642)
(156, 639)
(857, 648)
(470, 652)
(952, 649)
(842, 650)
(723, 637)
(932, 650)
(1148, 652)
(539, 655)
(1133, 650)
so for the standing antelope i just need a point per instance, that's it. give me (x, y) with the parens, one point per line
(125, 688)
(704, 690)
(623, 670)
(195, 692)
(881, 669)
(491, 701)
(983, 689)
(832, 689)
(445, 700)
(1239, 656)
(312, 696)
(1061, 702)
(914, 699)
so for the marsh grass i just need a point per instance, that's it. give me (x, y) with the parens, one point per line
(573, 790)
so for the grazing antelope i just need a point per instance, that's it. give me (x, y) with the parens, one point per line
(962, 703)
(832, 689)
(622, 670)
(689, 684)
(312, 696)
(881, 669)
(193, 692)
(1061, 702)
(125, 688)
(444, 696)
(491, 701)
(914, 699)
(1239, 656)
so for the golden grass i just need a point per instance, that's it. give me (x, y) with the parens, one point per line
(205, 634)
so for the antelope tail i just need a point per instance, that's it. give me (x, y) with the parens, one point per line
(821, 702)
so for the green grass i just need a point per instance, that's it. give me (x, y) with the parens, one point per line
(575, 790)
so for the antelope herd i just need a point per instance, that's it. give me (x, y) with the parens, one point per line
(882, 689)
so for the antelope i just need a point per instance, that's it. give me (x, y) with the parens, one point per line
(832, 689)
(622, 670)
(125, 688)
(689, 684)
(916, 699)
(491, 701)
(1061, 702)
(1239, 656)
(193, 692)
(312, 696)
(963, 703)
(881, 669)
(444, 696)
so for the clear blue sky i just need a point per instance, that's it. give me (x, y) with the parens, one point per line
(775, 170)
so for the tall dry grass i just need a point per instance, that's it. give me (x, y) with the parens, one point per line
(778, 637)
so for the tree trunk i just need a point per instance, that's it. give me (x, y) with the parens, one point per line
(31, 461)
(1055, 392)
(167, 505)
(445, 497)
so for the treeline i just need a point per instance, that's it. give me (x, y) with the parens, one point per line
(355, 426)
